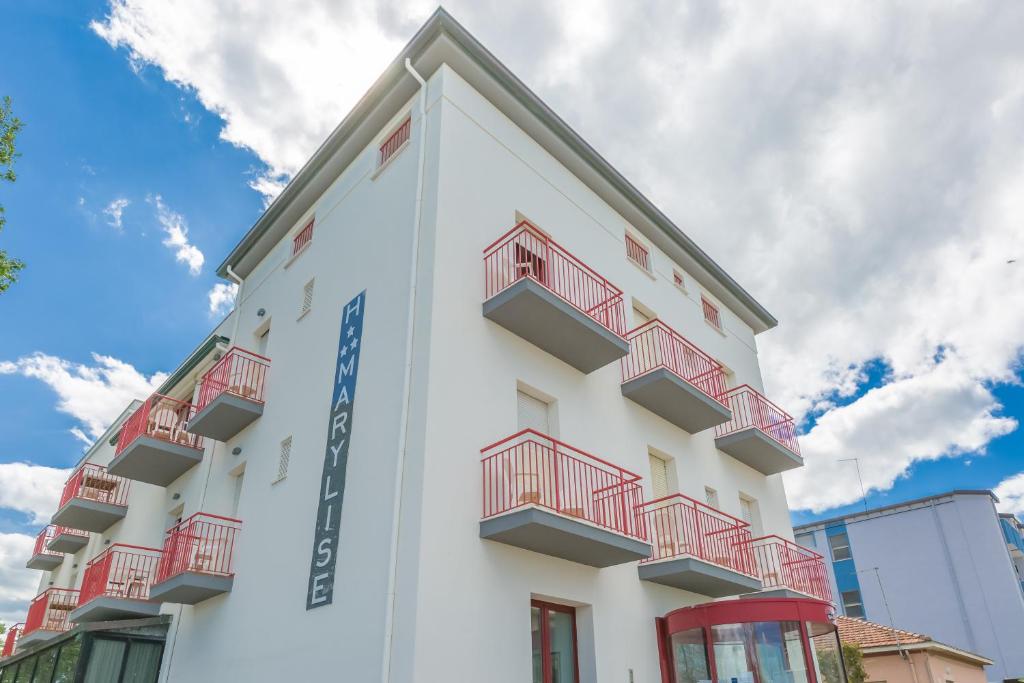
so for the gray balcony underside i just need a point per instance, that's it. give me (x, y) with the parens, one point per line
(669, 396)
(698, 576)
(225, 417)
(753, 447)
(544, 319)
(89, 515)
(67, 543)
(190, 588)
(45, 562)
(154, 461)
(107, 608)
(560, 536)
(36, 637)
(778, 593)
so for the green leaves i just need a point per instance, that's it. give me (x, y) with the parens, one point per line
(9, 127)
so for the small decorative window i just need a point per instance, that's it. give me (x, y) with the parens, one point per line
(677, 280)
(711, 313)
(390, 147)
(307, 298)
(711, 497)
(638, 253)
(282, 463)
(303, 238)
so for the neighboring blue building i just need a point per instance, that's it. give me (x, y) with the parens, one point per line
(948, 565)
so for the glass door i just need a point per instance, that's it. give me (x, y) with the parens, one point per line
(553, 632)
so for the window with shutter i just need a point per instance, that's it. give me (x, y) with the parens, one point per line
(711, 497)
(533, 413)
(307, 298)
(282, 463)
(659, 476)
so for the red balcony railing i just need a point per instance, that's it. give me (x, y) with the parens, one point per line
(679, 526)
(526, 252)
(203, 543)
(390, 146)
(655, 345)
(120, 571)
(44, 537)
(49, 610)
(11, 640)
(784, 564)
(530, 468)
(160, 417)
(751, 409)
(66, 530)
(240, 372)
(93, 482)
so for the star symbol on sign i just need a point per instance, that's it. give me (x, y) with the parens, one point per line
(355, 343)
(351, 331)
(344, 350)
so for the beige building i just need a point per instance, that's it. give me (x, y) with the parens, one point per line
(895, 656)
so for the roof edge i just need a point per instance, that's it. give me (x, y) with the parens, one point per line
(857, 516)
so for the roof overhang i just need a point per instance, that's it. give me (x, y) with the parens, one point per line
(931, 647)
(442, 40)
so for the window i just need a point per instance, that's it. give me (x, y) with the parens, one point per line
(533, 413)
(711, 497)
(840, 545)
(390, 147)
(237, 495)
(677, 280)
(759, 651)
(305, 236)
(750, 514)
(638, 253)
(553, 630)
(711, 313)
(659, 476)
(853, 604)
(67, 661)
(307, 298)
(282, 463)
(641, 314)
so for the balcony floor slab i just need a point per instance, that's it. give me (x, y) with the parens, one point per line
(225, 416)
(671, 397)
(154, 461)
(108, 608)
(45, 562)
(541, 317)
(778, 593)
(67, 543)
(753, 447)
(560, 536)
(35, 637)
(190, 588)
(698, 576)
(89, 515)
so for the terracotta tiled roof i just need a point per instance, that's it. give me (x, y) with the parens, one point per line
(870, 634)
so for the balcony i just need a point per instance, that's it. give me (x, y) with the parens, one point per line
(790, 570)
(68, 540)
(154, 445)
(116, 585)
(48, 615)
(231, 395)
(697, 548)
(11, 640)
(543, 495)
(673, 379)
(42, 557)
(539, 291)
(196, 563)
(760, 434)
(93, 500)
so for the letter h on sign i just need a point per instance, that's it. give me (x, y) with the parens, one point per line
(339, 431)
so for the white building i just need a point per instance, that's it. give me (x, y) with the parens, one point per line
(337, 482)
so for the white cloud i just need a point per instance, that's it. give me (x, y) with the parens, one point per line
(222, 298)
(176, 229)
(115, 211)
(1010, 493)
(93, 394)
(31, 489)
(17, 584)
(834, 176)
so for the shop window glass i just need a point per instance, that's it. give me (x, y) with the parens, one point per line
(25, 668)
(826, 653)
(143, 663)
(67, 661)
(105, 660)
(690, 656)
(44, 667)
(759, 652)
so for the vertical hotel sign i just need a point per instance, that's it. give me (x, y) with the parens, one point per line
(339, 431)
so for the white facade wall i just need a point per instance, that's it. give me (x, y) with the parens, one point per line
(462, 603)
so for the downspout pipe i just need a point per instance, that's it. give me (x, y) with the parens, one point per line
(240, 283)
(403, 430)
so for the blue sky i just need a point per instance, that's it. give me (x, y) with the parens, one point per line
(104, 123)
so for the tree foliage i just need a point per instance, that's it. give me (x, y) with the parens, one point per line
(853, 657)
(9, 127)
